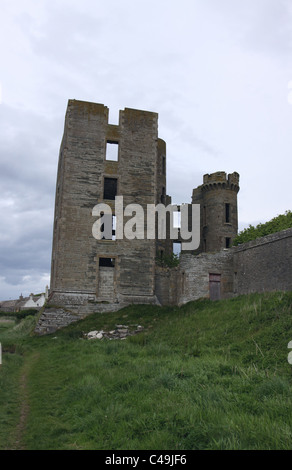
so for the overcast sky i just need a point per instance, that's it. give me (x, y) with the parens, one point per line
(218, 73)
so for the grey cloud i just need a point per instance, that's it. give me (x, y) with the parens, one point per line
(64, 35)
(263, 26)
(26, 153)
(27, 180)
(27, 252)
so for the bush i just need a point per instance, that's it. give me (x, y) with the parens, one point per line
(281, 222)
(168, 261)
(19, 315)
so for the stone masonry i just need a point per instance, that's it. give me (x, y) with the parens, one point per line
(103, 275)
(83, 268)
(219, 216)
(264, 264)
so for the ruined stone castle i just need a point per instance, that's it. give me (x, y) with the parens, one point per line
(98, 162)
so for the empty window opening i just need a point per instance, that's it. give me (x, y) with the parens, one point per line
(227, 213)
(227, 242)
(102, 226)
(113, 116)
(176, 248)
(163, 195)
(176, 219)
(163, 166)
(107, 262)
(110, 188)
(114, 222)
(112, 151)
(108, 227)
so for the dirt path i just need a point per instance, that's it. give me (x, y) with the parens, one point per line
(18, 439)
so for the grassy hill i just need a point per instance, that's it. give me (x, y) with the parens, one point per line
(208, 375)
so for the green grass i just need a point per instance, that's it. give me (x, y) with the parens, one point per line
(208, 375)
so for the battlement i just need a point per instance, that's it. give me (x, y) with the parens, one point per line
(135, 117)
(220, 180)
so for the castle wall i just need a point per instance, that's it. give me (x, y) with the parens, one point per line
(261, 265)
(264, 264)
(79, 183)
(168, 285)
(191, 279)
(195, 275)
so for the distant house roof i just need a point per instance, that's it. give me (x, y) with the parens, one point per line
(33, 301)
(13, 305)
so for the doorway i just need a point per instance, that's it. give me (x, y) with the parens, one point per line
(215, 286)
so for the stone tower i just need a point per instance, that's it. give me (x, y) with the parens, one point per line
(217, 197)
(106, 170)
(105, 271)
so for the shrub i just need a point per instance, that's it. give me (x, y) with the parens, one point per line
(281, 222)
(168, 261)
(19, 315)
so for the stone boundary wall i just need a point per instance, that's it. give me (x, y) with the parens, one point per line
(264, 264)
(53, 318)
(195, 271)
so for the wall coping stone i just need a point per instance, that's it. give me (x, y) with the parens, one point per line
(272, 237)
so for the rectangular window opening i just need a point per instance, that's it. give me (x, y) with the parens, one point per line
(176, 248)
(107, 262)
(114, 222)
(227, 242)
(227, 213)
(176, 219)
(110, 188)
(108, 227)
(160, 254)
(112, 151)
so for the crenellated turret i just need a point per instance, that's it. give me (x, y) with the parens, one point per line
(217, 197)
(220, 180)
